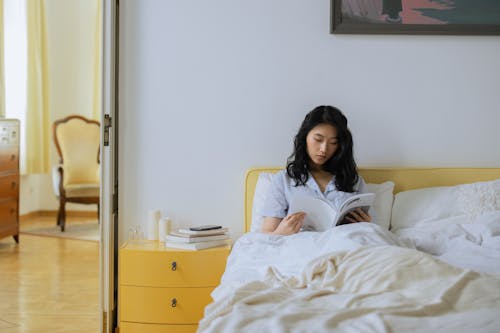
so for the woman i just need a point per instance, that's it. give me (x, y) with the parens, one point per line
(322, 164)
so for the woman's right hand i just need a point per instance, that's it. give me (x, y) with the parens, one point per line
(291, 224)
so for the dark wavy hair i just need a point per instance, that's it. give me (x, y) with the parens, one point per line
(341, 164)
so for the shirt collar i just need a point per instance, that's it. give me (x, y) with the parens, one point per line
(331, 185)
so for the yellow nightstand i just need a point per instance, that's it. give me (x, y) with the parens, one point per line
(166, 290)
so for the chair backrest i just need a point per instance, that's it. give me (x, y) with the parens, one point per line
(77, 141)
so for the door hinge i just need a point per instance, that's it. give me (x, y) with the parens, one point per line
(107, 125)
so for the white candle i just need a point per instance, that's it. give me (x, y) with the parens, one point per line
(154, 216)
(163, 228)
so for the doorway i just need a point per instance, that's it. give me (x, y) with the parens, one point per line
(50, 282)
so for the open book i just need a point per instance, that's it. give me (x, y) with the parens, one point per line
(321, 214)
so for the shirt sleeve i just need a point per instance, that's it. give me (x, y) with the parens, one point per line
(276, 204)
(361, 186)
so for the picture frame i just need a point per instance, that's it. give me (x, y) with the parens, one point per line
(428, 17)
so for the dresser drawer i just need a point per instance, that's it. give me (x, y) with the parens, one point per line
(126, 327)
(9, 186)
(8, 212)
(173, 268)
(9, 158)
(163, 305)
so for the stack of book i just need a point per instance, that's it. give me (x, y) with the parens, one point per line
(193, 239)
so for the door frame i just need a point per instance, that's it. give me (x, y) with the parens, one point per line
(108, 248)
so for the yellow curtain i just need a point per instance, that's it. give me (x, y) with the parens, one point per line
(96, 111)
(37, 113)
(2, 76)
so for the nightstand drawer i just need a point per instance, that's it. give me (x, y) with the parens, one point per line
(9, 186)
(163, 305)
(173, 268)
(126, 327)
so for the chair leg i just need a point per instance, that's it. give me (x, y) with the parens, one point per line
(61, 216)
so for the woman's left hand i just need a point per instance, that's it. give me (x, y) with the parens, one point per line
(358, 215)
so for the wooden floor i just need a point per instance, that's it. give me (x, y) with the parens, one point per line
(48, 284)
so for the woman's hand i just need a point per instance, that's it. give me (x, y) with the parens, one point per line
(289, 225)
(358, 215)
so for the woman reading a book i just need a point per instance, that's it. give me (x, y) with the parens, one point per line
(321, 165)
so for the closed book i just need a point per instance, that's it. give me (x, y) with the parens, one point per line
(181, 234)
(196, 246)
(198, 239)
(203, 232)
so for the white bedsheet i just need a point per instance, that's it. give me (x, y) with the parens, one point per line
(255, 253)
(352, 278)
(462, 241)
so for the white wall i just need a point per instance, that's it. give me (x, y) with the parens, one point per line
(209, 89)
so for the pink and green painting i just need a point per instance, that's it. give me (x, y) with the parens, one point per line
(416, 16)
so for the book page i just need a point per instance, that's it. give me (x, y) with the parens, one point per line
(363, 201)
(320, 214)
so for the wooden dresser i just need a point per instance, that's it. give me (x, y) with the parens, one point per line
(9, 178)
(166, 290)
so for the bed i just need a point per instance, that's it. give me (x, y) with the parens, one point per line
(430, 263)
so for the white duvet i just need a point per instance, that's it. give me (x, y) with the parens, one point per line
(352, 278)
(462, 241)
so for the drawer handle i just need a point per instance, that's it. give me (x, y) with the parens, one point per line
(12, 157)
(12, 211)
(174, 266)
(13, 185)
(173, 303)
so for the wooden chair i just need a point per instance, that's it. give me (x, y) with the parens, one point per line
(76, 178)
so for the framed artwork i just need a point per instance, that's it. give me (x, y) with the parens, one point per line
(416, 17)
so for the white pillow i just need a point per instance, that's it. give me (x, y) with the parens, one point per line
(479, 198)
(259, 197)
(435, 203)
(383, 202)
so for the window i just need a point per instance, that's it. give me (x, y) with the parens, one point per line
(15, 55)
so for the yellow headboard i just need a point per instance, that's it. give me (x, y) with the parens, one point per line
(404, 178)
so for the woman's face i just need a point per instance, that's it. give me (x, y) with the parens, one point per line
(322, 143)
